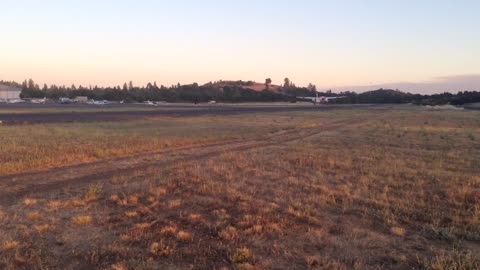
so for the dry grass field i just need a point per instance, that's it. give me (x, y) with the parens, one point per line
(341, 189)
(28, 147)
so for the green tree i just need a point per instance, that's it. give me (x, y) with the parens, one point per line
(31, 84)
(268, 81)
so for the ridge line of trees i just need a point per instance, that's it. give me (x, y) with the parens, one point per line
(232, 91)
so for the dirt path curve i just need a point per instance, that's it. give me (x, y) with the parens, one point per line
(14, 187)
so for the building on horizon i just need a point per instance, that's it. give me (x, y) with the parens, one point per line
(9, 92)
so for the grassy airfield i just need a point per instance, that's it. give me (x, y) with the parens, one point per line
(391, 187)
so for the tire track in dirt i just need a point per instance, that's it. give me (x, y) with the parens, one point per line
(13, 187)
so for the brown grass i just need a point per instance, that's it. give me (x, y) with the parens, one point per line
(241, 255)
(66, 144)
(34, 216)
(161, 249)
(398, 190)
(398, 231)
(184, 236)
(10, 245)
(29, 201)
(82, 220)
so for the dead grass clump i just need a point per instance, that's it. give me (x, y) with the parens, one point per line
(161, 249)
(42, 228)
(82, 220)
(174, 203)
(398, 231)
(184, 236)
(255, 229)
(222, 215)
(240, 255)
(170, 230)
(29, 202)
(142, 226)
(230, 233)
(133, 199)
(10, 245)
(248, 219)
(76, 202)
(55, 205)
(158, 191)
(194, 218)
(131, 214)
(274, 228)
(34, 216)
(119, 179)
(124, 200)
(125, 237)
(92, 193)
(118, 266)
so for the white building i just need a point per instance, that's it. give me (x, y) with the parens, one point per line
(9, 92)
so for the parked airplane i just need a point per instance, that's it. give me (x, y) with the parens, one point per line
(98, 102)
(320, 99)
(150, 103)
(66, 100)
(16, 100)
(38, 100)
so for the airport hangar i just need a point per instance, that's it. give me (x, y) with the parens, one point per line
(9, 92)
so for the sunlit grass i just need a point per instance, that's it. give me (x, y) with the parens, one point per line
(41, 146)
(373, 193)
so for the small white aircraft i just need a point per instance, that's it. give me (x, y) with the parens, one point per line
(150, 103)
(98, 102)
(66, 100)
(38, 100)
(16, 100)
(320, 99)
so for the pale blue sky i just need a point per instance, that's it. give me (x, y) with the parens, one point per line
(330, 43)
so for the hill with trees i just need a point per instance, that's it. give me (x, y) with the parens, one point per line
(234, 91)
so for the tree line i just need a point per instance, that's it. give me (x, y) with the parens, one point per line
(236, 91)
(232, 92)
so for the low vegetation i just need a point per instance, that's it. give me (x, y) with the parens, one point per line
(373, 189)
(41, 146)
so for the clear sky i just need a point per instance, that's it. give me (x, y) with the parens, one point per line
(417, 45)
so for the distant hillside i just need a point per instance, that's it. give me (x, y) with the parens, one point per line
(250, 85)
(397, 97)
(235, 91)
(384, 96)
